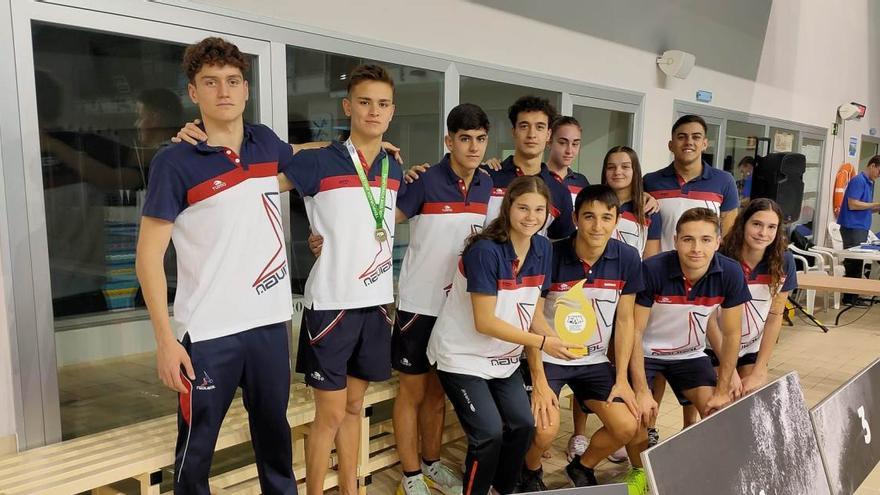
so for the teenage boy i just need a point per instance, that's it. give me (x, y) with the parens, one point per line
(530, 118)
(350, 192)
(219, 202)
(445, 206)
(611, 275)
(683, 287)
(688, 182)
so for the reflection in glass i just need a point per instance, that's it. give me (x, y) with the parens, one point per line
(106, 104)
(495, 98)
(812, 150)
(711, 151)
(739, 152)
(602, 130)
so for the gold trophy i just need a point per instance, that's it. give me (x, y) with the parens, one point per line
(575, 319)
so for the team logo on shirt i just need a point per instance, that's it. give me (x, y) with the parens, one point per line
(218, 184)
(696, 326)
(276, 269)
(207, 383)
(446, 209)
(381, 262)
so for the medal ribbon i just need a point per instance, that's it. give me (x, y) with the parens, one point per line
(376, 208)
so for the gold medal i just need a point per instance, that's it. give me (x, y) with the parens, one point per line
(381, 235)
(575, 319)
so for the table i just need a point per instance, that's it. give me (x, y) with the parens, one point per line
(861, 286)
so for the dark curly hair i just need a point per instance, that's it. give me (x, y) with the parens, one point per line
(774, 254)
(531, 104)
(212, 51)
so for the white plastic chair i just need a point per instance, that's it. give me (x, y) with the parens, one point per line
(819, 263)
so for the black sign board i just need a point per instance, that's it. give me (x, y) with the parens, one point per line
(845, 421)
(763, 444)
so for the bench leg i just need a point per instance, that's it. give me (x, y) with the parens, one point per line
(364, 451)
(298, 437)
(149, 483)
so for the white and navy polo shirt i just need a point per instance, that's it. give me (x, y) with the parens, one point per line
(755, 311)
(617, 272)
(232, 272)
(488, 268)
(714, 189)
(354, 269)
(559, 223)
(442, 213)
(634, 234)
(680, 311)
(573, 181)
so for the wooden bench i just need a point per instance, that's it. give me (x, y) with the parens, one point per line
(142, 450)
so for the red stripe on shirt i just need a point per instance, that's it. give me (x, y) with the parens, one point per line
(342, 181)
(632, 218)
(763, 279)
(698, 195)
(595, 284)
(697, 301)
(229, 179)
(574, 189)
(447, 208)
(527, 281)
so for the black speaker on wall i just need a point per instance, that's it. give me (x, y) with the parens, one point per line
(780, 177)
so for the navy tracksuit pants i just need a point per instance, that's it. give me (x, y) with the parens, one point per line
(258, 361)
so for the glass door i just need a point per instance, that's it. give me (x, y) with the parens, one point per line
(102, 96)
(605, 124)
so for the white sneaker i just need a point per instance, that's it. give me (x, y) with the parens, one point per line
(619, 456)
(414, 485)
(577, 445)
(440, 477)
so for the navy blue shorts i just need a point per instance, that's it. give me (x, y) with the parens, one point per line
(744, 360)
(586, 381)
(336, 343)
(682, 374)
(409, 342)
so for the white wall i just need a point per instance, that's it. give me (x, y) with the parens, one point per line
(807, 68)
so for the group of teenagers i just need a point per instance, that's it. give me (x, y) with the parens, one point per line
(494, 250)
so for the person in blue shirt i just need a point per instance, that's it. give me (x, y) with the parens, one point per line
(855, 216)
(746, 169)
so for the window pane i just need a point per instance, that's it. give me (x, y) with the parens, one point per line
(316, 84)
(495, 98)
(812, 150)
(712, 134)
(602, 130)
(105, 103)
(740, 143)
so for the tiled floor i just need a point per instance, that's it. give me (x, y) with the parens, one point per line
(823, 361)
(103, 395)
